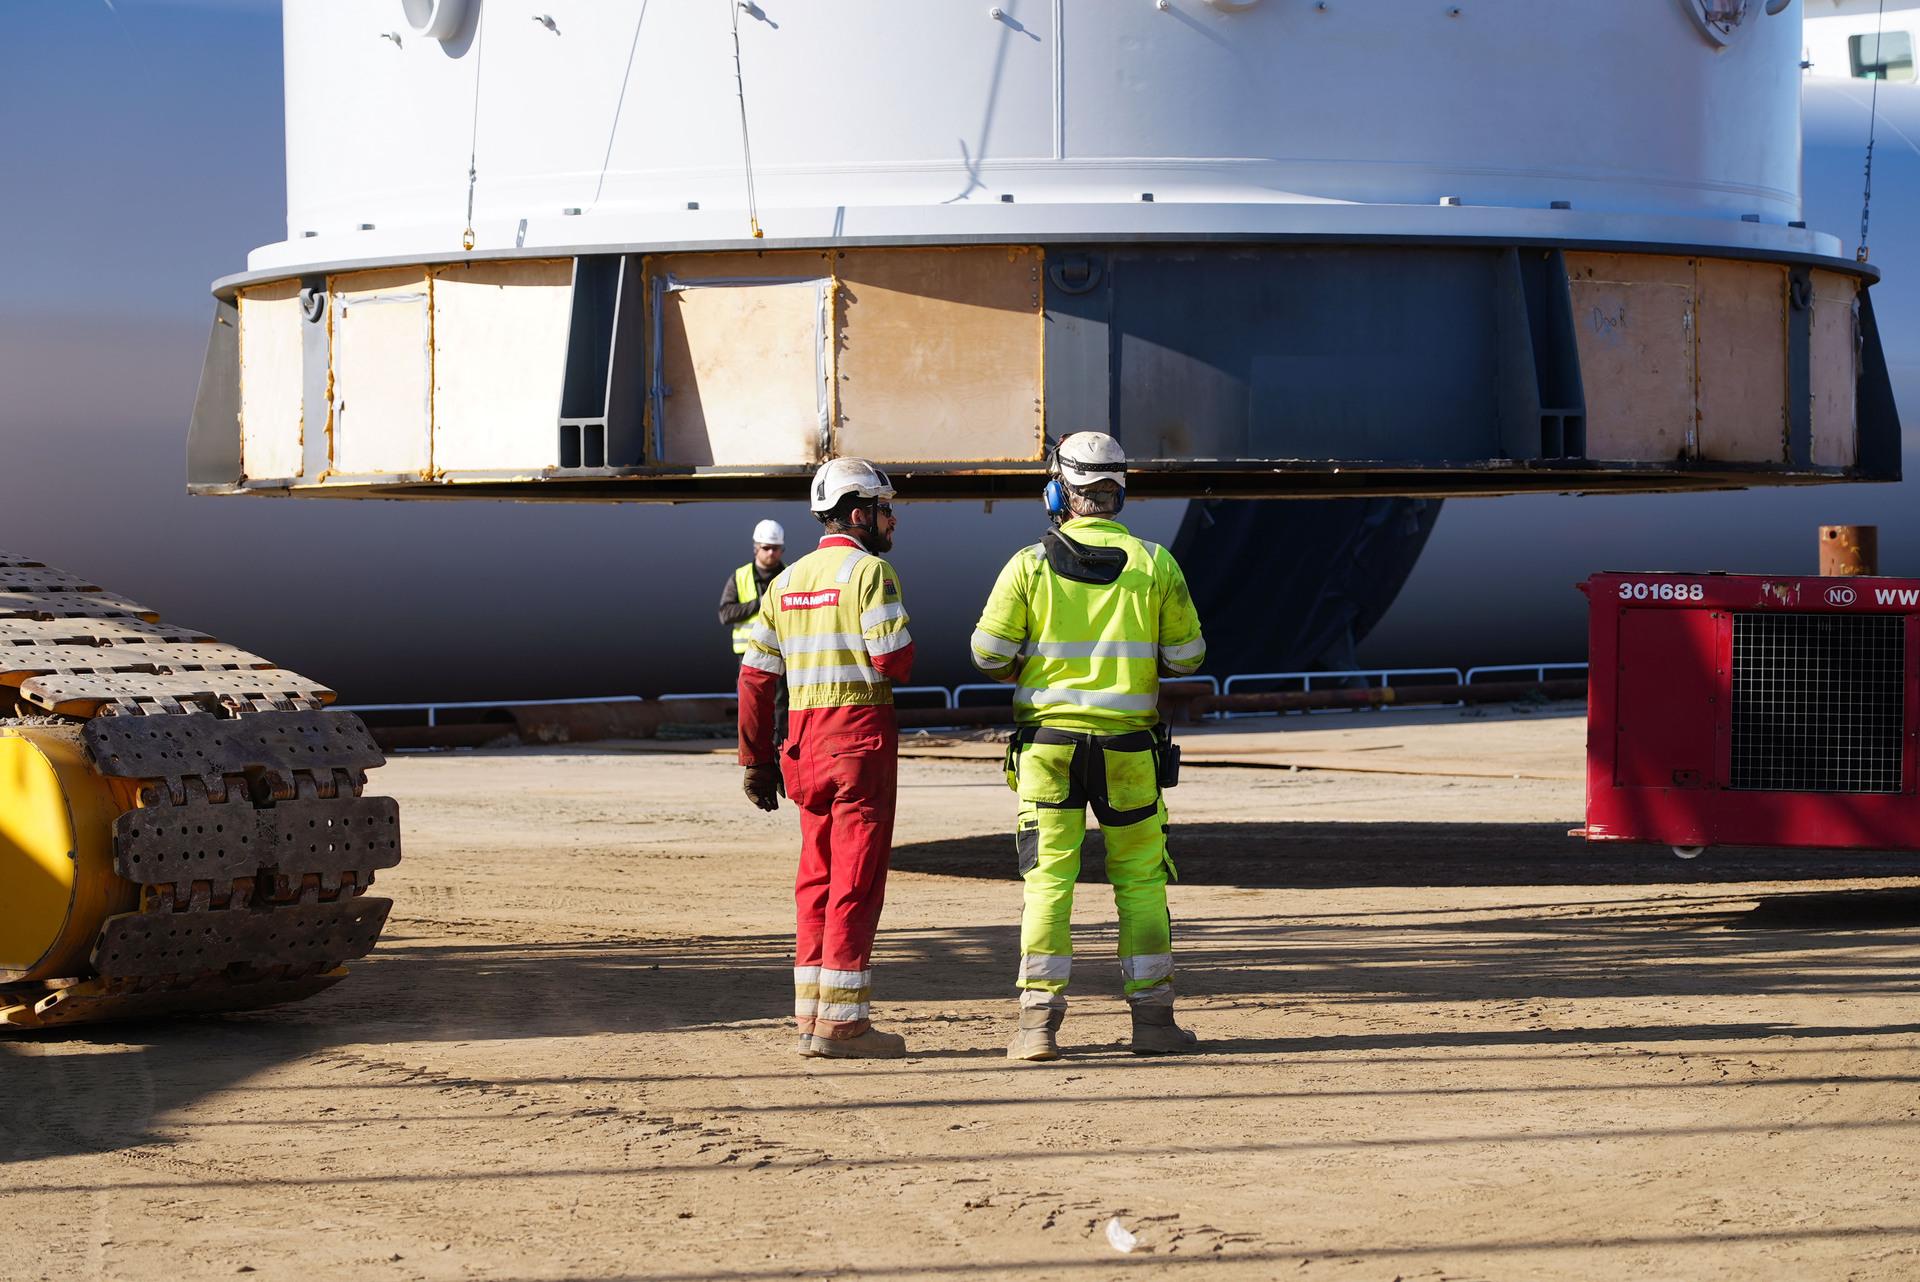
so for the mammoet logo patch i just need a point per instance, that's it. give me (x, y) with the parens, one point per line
(809, 600)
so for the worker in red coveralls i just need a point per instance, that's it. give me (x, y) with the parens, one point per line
(833, 623)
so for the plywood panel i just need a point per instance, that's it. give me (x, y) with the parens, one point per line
(741, 354)
(270, 381)
(1834, 369)
(1632, 269)
(499, 360)
(1632, 317)
(940, 354)
(382, 348)
(1741, 336)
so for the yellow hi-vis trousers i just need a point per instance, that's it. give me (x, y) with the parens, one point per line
(1058, 775)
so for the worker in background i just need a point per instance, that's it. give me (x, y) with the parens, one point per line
(740, 600)
(834, 625)
(1084, 624)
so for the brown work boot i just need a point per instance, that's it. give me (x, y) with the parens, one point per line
(872, 1044)
(1155, 1033)
(1034, 1040)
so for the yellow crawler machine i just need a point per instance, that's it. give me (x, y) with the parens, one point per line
(182, 825)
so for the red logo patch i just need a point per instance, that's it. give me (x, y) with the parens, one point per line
(809, 600)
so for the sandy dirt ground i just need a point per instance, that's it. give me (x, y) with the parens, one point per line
(1443, 1040)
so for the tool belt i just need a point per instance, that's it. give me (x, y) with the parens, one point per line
(1159, 741)
(1088, 777)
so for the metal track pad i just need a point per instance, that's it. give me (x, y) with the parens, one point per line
(197, 744)
(155, 944)
(206, 841)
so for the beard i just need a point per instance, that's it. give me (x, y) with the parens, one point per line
(874, 539)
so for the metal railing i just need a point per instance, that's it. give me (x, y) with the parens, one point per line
(1539, 670)
(989, 687)
(967, 695)
(433, 710)
(1341, 680)
(946, 695)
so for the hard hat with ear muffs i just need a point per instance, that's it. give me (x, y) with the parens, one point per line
(1083, 459)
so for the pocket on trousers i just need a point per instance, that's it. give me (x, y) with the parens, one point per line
(794, 772)
(850, 743)
(1026, 845)
(1133, 779)
(1044, 772)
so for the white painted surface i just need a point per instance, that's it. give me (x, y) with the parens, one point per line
(1832, 26)
(876, 118)
(381, 355)
(499, 359)
(270, 381)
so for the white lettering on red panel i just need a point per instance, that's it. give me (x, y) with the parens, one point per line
(1662, 592)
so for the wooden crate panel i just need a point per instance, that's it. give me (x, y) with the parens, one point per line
(271, 381)
(940, 354)
(499, 359)
(742, 353)
(1633, 326)
(1741, 337)
(1834, 364)
(382, 352)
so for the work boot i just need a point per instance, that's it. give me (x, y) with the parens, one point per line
(806, 1046)
(872, 1044)
(1155, 1033)
(1034, 1040)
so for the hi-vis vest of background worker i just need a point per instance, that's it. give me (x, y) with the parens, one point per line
(746, 589)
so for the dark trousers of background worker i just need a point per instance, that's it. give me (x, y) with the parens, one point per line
(842, 768)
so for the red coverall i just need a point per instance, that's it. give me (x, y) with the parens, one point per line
(840, 760)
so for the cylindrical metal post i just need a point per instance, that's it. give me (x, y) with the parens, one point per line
(1849, 549)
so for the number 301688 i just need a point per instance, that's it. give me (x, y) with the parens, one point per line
(1662, 592)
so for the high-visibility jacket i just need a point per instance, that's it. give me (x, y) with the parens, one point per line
(830, 621)
(1089, 656)
(746, 587)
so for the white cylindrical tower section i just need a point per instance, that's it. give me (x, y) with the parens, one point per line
(895, 116)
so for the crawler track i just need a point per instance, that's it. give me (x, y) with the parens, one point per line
(234, 847)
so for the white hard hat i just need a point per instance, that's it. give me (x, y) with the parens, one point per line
(840, 477)
(770, 532)
(1086, 457)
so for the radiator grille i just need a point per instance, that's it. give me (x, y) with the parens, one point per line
(1818, 702)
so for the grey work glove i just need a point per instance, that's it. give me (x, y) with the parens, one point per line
(762, 786)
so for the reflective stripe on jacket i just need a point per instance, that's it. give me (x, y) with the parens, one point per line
(1088, 656)
(745, 588)
(824, 621)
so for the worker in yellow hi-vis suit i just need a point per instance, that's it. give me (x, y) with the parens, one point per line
(1084, 623)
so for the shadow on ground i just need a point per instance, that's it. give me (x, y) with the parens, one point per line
(1328, 855)
(439, 981)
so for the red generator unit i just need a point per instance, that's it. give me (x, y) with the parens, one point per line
(1750, 710)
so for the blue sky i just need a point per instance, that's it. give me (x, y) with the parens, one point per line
(141, 154)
